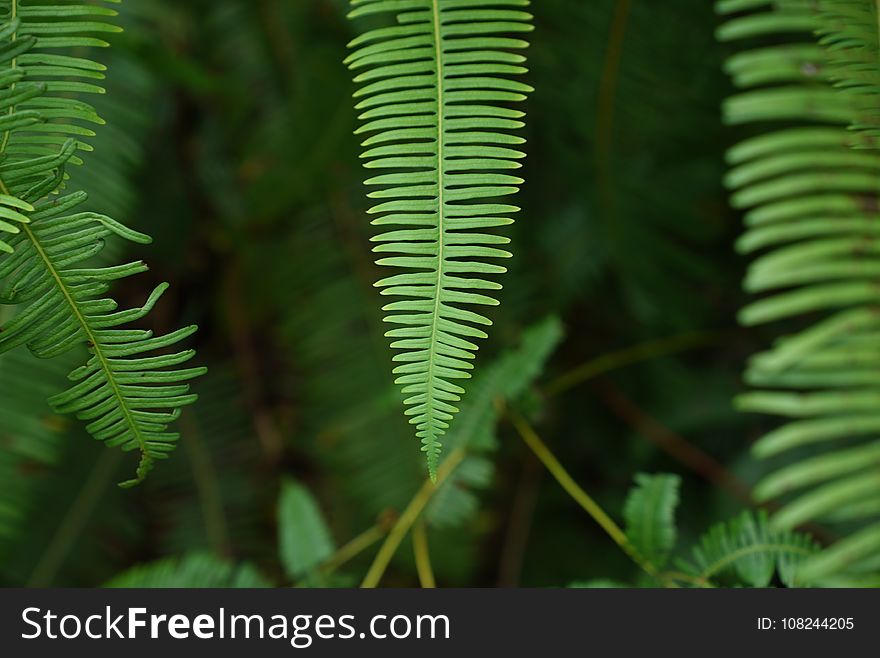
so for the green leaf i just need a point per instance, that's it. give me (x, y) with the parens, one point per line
(747, 550)
(196, 571)
(305, 541)
(132, 388)
(844, 558)
(808, 181)
(649, 512)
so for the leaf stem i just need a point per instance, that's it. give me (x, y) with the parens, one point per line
(431, 446)
(353, 548)
(631, 355)
(422, 555)
(75, 520)
(581, 497)
(410, 515)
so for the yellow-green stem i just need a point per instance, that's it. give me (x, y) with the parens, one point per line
(353, 548)
(581, 497)
(422, 555)
(410, 515)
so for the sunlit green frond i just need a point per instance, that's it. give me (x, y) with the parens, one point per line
(808, 182)
(132, 387)
(434, 93)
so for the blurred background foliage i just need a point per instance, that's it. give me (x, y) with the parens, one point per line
(229, 140)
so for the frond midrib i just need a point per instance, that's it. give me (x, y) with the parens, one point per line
(441, 237)
(93, 341)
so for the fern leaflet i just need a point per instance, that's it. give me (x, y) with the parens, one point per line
(650, 516)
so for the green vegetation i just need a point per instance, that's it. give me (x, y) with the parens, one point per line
(656, 397)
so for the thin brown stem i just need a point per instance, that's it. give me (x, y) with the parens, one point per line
(673, 444)
(519, 526)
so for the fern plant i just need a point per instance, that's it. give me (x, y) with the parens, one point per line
(809, 183)
(434, 95)
(744, 551)
(132, 386)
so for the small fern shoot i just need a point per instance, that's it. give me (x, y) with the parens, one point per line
(748, 549)
(132, 386)
(434, 96)
(650, 516)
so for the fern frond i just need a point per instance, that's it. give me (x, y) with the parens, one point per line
(850, 33)
(194, 571)
(433, 96)
(304, 540)
(809, 184)
(507, 378)
(649, 512)
(750, 550)
(127, 397)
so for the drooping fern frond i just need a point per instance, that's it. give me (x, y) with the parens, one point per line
(434, 95)
(505, 379)
(809, 183)
(131, 388)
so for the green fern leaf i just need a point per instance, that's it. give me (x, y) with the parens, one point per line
(507, 379)
(305, 541)
(834, 564)
(851, 37)
(649, 512)
(11, 211)
(433, 98)
(809, 185)
(127, 397)
(748, 550)
(194, 571)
